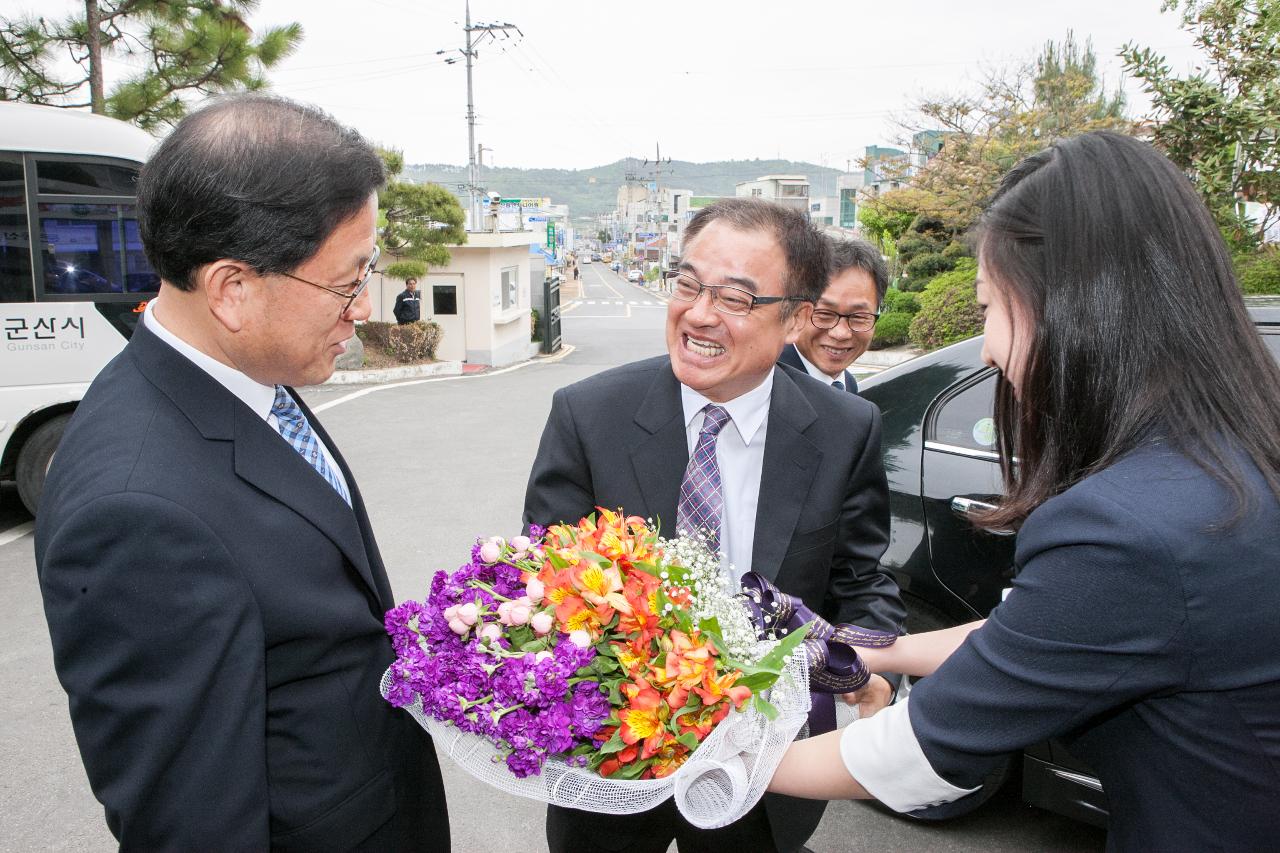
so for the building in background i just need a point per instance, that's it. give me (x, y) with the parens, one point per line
(790, 190)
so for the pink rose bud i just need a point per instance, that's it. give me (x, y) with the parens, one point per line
(543, 655)
(490, 552)
(520, 613)
(520, 543)
(458, 627)
(580, 638)
(542, 623)
(451, 612)
(534, 590)
(518, 556)
(491, 632)
(504, 612)
(468, 613)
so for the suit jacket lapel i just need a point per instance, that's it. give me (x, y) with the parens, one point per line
(266, 461)
(790, 462)
(662, 453)
(377, 571)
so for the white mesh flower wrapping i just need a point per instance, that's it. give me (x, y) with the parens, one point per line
(719, 783)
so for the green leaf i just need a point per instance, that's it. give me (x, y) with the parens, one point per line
(613, 744)
(633, 770)
(765, 707)
(690, 740)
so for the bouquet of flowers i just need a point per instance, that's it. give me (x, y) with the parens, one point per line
(600, 658)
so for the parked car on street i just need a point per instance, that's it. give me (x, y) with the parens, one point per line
(635, 275)
(941, 460)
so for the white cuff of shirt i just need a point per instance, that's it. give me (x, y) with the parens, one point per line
(882, 753)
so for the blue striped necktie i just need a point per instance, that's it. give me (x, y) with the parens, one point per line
(293, 425)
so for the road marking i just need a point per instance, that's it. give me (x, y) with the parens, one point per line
(355, 395)
(13, 534)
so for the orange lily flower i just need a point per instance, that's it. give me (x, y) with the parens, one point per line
(644, 721)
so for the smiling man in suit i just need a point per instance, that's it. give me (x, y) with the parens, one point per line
(213, 589)
(843, 321)
(798, 489)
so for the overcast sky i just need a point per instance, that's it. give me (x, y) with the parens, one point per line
(587, 82)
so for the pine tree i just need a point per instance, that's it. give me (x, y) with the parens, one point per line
(191, 48)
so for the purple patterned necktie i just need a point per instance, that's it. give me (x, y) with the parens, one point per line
(701, 506)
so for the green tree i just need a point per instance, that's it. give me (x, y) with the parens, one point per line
(1012, 114)
(187, 48)
(1222, 123)
(602, 236)
(415, 221)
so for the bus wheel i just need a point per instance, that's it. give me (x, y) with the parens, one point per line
(34, 459)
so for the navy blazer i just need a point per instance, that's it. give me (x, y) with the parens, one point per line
(1146, 632)
(216, 614)
(618, 439)
(791, 357)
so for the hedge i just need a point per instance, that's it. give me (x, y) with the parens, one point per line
(948, 310)
(891, 329)
(1259, 272)
(900, 301)
(409, 343)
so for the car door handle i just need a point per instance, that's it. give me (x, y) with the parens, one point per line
(968, 506)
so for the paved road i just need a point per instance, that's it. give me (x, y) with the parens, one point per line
(439, 461)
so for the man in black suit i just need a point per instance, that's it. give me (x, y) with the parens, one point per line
(844, 319)
(213, 589)
(804, 496)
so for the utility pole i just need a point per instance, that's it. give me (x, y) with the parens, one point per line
(475, 34)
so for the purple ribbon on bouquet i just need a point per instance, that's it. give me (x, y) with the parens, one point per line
(834, 663)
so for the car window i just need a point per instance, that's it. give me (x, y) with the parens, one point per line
(1273, 343)
(965, 419)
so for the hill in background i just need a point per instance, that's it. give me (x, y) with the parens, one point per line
(590, 192)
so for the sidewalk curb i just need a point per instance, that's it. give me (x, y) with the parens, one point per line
(391, 374)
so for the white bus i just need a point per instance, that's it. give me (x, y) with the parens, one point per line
(73, 276)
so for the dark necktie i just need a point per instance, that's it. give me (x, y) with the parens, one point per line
(701, 506)
(838, 385)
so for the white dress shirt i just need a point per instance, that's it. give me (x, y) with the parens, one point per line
(258, 397)
(818, 374)
(740, 457)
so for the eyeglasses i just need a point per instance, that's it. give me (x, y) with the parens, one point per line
(859, 321)
(351, 292)
(725, 298)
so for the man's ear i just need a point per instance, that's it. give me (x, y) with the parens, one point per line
(795, 323)
(227, 291)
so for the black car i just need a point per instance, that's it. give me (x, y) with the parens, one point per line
(939, 452)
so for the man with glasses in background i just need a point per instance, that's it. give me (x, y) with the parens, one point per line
(783, 474)
(844, 319)
(213, 589)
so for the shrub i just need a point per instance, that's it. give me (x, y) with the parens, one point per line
(900, 302)
(891, 329)
(535, 328)
(925, 267)
(956, 250)
(652, 274)
(948, 310)
(924, 223)
(405, 344)
(1258, 272)
(913, 245)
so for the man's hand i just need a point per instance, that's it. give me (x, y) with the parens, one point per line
(873, 696)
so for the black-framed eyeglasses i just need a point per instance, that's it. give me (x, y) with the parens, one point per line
(351, 292)
(725, 298)
(859, 321)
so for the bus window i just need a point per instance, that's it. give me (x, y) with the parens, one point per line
(82, 247)
(56, 177)
(16, 284)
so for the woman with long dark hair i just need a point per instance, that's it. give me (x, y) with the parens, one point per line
(1138, 416)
